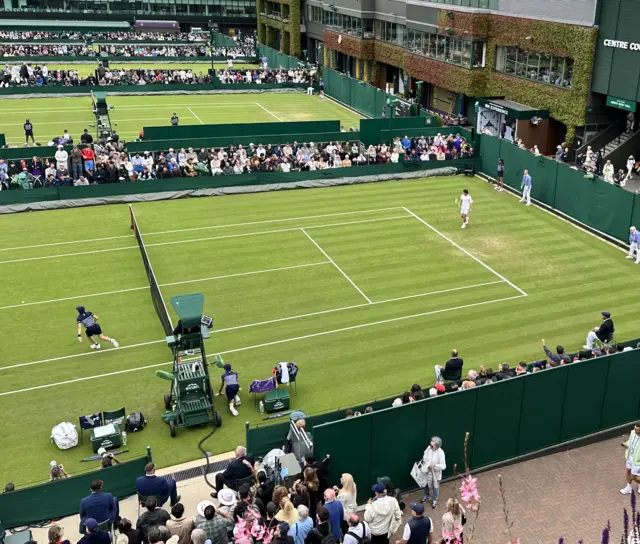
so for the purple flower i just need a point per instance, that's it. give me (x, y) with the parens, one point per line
(561, 540)
(605, 535)
(625, 523)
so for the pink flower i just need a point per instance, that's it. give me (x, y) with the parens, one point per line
(453, 537)
(469, 492)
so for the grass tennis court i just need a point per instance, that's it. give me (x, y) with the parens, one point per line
(51, 116)
(364, 287)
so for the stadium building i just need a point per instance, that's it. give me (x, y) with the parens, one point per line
(534, 59)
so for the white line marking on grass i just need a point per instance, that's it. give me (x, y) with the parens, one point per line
(257, 346)
(163, 285)
(269, 322)
(65, 243)
(467, 253)
(205, 228)
(66, 122)
(265, 109)
(270, 221)
(198, 118)
(337, 267)
(205, 239)
(292, 229)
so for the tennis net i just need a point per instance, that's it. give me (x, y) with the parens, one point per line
(156, 294)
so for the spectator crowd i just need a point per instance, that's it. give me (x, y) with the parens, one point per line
(73, 35)
(109, 162)
(266, 76)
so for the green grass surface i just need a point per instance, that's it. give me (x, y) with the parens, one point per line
(51, 116)
(275, 298)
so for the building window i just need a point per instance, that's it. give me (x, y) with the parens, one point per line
(389, 32)
(461, 52)
(345, 24)
(539, 67)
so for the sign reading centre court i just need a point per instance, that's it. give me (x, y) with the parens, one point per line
(619, 44)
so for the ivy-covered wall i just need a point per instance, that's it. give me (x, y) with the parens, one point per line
(290, 27)
(566, 105)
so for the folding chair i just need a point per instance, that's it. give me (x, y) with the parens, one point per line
(117, 416)
(262, 386)
(292, 371)
(89, 422)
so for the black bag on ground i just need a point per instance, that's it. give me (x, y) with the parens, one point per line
(135, 422)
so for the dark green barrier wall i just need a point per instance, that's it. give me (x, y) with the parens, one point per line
(226, 141)
(55, 500)
(144, 89)
(19, 196)
(276, 59)
(239, 129)
(598, 204)
(505, 420)
(371, 129)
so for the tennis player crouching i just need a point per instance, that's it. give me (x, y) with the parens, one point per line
(90, 323)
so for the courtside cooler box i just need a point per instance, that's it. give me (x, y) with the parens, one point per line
(107, 437)
(276, 400)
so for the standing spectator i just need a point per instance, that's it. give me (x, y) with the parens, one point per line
(76, 163)
(89, 158)
(559, 356)
(607, 172)
(62, 159)
(452, 369)
(634, 240)
(28, 131)
(336, 513)
(92, 535)
(321, 469)
(500, 176)
(301, 528)
(356, 530)
(453, 520)
(180, 525)
(383, 514)
(197, 536)
(347, 495)
(631, 162)
(559, 152)
(419, 530)
(282, 534)
(526, 188)
(433, 463)
(154, 516)
(287, 511)
(321, 529)
(632, 457)
(216, 527)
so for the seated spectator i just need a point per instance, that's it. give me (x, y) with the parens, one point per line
(238, 469)
(92, 535)
(452, 369)
(9, 487)
(180, 525)
(56, 472)
(99, 505)
(55, 534)
(152, 517)
(603, 333)
(163, 488)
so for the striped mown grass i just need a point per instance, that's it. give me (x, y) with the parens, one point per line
(348, 283)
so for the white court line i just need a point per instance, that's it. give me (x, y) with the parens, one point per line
(90, 121)
(260, 323)
(467, 253)
(205, 239)
(266, 344)
(374, 210)
(198, 118)
(163, 285)
(265, 109)
(210, 227)
(167, 105)
(292, 229)
(337, 267)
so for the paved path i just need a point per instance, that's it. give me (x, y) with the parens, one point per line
(570, 494)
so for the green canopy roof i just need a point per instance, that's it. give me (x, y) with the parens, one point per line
(189, 309)
(512, 109)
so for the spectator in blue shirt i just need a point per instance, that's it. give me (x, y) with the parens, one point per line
(406, 143)
(336, 513)
(301, 528)
(526, 188)
(138, 163)
(634, 241)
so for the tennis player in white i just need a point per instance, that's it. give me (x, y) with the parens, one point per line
(466, 203)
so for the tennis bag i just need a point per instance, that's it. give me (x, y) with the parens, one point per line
(65, 435)
(135, 422)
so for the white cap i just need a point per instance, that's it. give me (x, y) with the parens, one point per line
(53, 464)
(101, 451)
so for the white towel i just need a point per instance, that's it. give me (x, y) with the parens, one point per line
(284, 376)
